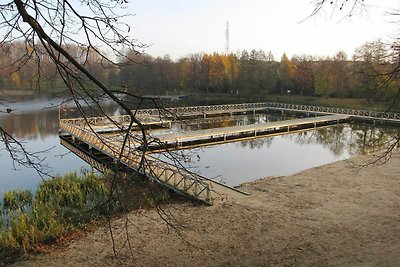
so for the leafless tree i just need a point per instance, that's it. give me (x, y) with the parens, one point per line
(50, 27)
(346, 9)
(97, 28)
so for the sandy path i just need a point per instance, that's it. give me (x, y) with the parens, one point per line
(333, 215)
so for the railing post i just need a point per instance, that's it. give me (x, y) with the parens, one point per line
(184, 184)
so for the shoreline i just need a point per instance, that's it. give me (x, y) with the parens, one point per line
(333, 214)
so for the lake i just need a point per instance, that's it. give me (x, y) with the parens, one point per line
(232, 163)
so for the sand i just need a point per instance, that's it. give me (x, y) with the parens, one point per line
(333, 215)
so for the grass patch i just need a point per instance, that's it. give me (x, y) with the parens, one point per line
(64, 205)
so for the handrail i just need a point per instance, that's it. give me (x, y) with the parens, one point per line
(107, 120)
(168, 174)
(151, 115)
(346, 111)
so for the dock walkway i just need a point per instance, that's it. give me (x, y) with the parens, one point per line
(181, 140)
(101, 134)
(178, 179)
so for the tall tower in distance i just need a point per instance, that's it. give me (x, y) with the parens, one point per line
(227, 38)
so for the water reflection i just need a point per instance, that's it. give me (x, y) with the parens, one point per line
(235, 163)
(356, 139)
(227, 121)
(257, 143)
(42, 121)
(31, 126)
(35, 124)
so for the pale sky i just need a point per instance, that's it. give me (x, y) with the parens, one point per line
(182, 27)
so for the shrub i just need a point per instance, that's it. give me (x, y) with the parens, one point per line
(60, 205)
(64, 204)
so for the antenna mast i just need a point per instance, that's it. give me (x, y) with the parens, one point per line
(227, 38)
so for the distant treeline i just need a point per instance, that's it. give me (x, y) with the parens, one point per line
(366, 75)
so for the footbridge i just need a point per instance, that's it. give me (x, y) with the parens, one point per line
(101, 140)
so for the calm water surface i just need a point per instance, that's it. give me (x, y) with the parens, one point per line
(232, 163)
(35, 124)
(235, 163)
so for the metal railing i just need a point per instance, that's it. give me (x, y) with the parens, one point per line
(270, 105)
(178, 179)
(119, 119)
(177, 111)
(95, 163)
(153, 115)
(333, 110)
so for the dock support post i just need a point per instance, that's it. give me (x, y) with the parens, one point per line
(184, 184)
(208, 194)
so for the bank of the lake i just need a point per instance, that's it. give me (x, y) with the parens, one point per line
(332, 215)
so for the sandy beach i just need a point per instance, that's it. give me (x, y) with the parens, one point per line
(333, 215)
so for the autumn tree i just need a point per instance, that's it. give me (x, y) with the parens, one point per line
(217, 73)
(195, 71)
(303, 82)
(231, 69)
(323, 78)
(183, 73)
(286, 74)
(371, 63)
(271, 74)
(342, 75)
(136, 77)
(205, 69)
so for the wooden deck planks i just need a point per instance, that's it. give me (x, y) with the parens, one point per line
(182, 137)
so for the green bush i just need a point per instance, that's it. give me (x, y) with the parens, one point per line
(65, 204)
(60, 205)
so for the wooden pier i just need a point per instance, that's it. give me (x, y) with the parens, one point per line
(176, 178)
(99, 141)
(211, 136)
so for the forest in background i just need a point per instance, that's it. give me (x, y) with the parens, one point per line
(366, 75)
